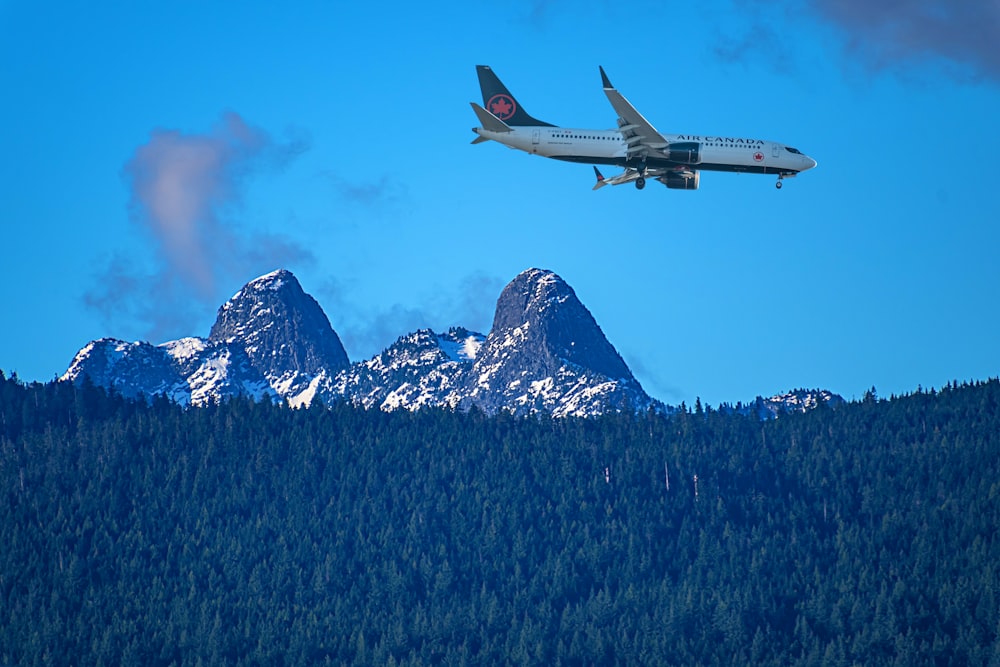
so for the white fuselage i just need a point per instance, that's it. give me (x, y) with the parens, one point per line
(717, 153)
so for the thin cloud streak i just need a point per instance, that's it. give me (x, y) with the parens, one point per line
(383, 193)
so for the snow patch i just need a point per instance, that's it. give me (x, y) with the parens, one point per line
(185, 349)
(204, 381)
(305, 398)
(460, 350)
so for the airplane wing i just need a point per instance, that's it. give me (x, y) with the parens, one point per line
(639, 134)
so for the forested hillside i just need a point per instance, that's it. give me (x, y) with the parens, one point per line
(243, 533)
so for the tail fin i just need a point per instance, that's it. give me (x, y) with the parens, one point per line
(499, 102)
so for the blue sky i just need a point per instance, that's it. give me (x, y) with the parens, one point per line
(157, 156)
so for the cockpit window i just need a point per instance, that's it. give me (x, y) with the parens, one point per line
(793, 150)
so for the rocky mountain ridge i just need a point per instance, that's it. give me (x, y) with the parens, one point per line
(545, 353)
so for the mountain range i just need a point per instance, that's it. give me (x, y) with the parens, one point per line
(545, 353)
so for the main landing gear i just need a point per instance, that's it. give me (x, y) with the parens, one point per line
(640, 168)
(778, 184)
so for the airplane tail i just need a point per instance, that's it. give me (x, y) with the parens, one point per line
(499, 102)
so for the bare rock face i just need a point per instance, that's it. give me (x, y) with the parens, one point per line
(283, 331)
(546, 353)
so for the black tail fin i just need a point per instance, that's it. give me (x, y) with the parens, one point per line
(499, 102)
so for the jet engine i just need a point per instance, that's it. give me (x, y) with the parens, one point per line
(688, 152)
(681, 181)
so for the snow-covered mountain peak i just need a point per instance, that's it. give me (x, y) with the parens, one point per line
(545, 353)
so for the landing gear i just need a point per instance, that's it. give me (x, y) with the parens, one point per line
(778, 184)
(640, 172)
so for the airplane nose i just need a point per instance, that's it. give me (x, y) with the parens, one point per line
(810, 163)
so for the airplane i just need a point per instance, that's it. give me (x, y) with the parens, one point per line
(675, 160)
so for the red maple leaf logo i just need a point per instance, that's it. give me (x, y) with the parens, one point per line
(758, 156)
(501, 106)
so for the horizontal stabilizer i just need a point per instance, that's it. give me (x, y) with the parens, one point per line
(490, 122)
(626, 176)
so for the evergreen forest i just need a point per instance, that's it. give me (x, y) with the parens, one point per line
(139, 532)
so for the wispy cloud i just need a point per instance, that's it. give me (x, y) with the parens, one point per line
(185, 192)
(957, 38)
(757, 35)
(365, 331)
(372, 194)
(893, 32)
(651, 381)
(153, 306)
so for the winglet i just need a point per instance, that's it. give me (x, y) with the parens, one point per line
(604, 78)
